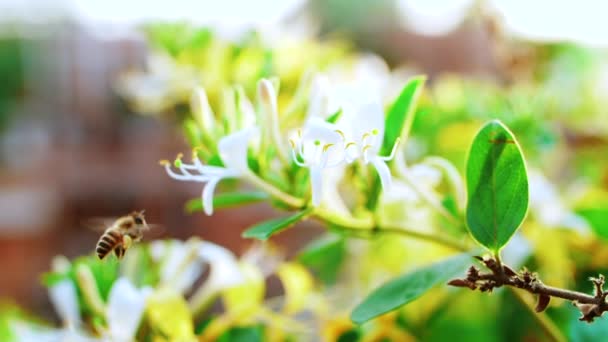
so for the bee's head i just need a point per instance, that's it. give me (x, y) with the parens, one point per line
(138, 218)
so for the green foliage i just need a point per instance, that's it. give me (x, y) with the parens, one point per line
(497, 186)
(335, 116)
(407, 288)
(401, 114)
(227, 200)
(266, 229)
(597, 218)
(397, 125)
(243, 334)
(325, 257)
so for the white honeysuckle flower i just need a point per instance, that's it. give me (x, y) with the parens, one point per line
(64, 298)
(233, 152)
(318, 105)
(125, 309)
(317, 147)
(225, 271)
(180, 265)
(246, 115)
(24, 331)
(367, 134)
(201, 110)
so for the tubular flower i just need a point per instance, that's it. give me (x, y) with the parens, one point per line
(367, 134)
(317, 147)
(233, 152)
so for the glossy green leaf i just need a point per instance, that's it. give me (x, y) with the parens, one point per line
(227, 200)
(401, 114)
(335, 116)
(266, 229)
(409, 287)
(497, 186)
(324, 256)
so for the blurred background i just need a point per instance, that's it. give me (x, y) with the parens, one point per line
(72, 147)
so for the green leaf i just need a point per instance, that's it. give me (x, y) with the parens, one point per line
(397, 125)
(325, 256)
(243, 334)
(597, 218)
(408, 287)
(192, 132)
(266, 229)
(227, 200)
(401, 114)
(335, 116)
(497, 186)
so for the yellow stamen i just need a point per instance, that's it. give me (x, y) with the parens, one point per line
(341, 134)
(195, 152)
(164, 162)
(326, 147)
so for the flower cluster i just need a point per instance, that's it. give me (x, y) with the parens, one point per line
(168, 286)
(342, 126)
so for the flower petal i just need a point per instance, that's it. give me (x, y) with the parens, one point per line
(225, 271)
(180, 267)
(383, 172)
(65, 301)
(370, 118)
(247, 116)
(319, 129)
(233, 149)
(319, 101)
(207, 196)
(126, 306)
(22, 331)
(316, 181)
(201, 110)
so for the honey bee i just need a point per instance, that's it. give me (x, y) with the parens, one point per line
(119, 236)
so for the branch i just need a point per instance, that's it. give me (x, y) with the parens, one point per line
(590, 306)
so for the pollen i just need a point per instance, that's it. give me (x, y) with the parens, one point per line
(164, 162)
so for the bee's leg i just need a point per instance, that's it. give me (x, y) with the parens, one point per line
(119, 251)
(127, 241)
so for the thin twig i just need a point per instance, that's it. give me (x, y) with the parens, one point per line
(591, 306)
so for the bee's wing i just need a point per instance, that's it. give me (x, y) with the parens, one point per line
(98, 224)
(155, 231)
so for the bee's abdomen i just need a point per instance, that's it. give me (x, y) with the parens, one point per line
(108, 241)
